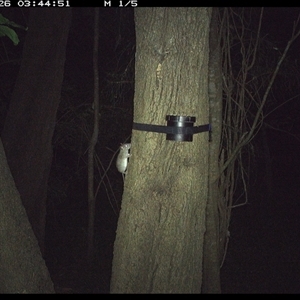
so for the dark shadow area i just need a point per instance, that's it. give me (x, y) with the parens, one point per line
(264, 250)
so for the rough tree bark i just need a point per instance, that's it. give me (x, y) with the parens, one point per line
(212, 252)
(159, 242)
(30, 121)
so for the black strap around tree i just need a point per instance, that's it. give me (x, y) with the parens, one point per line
(171, 129)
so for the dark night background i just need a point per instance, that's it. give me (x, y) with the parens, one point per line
(264, 249)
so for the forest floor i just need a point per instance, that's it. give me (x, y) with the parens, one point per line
(264, 249)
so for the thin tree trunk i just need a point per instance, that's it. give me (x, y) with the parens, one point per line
(211, 261)
(93, 141)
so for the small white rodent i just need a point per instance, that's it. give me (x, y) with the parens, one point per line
(122, 159)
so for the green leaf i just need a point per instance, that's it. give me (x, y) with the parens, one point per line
(10, 33)
(4, 21)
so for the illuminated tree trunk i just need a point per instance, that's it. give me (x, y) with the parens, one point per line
(213, 246)
(160, 235)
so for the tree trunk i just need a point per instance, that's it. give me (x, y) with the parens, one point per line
(22, 269)
(212, 260)
(30, 121)
(159, 242)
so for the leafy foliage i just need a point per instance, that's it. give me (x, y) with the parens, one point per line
(5, 29)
